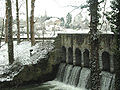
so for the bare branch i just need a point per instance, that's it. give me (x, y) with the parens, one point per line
(77, 7)
(21, 4)
(105, 2)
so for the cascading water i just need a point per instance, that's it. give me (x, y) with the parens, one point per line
(113, 83)
(67, 73)
(84, 77)
(79, 77)
(74, 77)
(107, 81)
(60, 73)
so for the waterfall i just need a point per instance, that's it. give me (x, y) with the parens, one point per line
(80, 77)
(84, 77)
(60, 73)
(107, 81)
(113, 83)
(67, 73)
(74, 77)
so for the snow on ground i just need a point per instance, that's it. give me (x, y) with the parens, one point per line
(22, 55)
(22, 52)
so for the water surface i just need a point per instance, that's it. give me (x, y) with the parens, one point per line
(51, 85)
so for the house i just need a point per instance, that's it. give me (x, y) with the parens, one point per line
(22, 26)
(53, 24)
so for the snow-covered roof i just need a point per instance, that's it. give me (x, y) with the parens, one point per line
(81, 31)
(51, 19)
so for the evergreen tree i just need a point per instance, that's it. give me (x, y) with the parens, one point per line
(114, 18)
(94, 45)
(68, 20)
(62, 21)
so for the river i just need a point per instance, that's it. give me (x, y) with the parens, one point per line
(51, 85)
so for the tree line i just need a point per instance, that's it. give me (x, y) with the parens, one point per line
(8, 26)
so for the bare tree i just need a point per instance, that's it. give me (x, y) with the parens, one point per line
(32, 23)
(27, 20)
(6, 23)
(10, 34)
(18, 22)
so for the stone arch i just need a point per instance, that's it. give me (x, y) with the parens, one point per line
(86, 58)
(78, 57)
(106, 61)
(63, 54)
(70, 55)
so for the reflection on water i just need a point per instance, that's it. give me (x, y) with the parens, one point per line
(51, 85)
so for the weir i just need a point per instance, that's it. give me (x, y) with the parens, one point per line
(107, 81)
(84, 77)
(80, 77)
(73, 53)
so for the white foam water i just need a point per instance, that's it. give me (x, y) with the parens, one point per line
(61, 86)
(84, 77)
(107, 81)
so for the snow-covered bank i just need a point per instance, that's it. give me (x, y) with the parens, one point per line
(22, 57)
(22, 52)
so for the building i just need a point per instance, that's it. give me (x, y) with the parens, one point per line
(53, 24)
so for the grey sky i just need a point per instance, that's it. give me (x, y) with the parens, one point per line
(56, 8)
(52, 7)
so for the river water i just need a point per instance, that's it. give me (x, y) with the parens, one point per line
(51, 85)
(71, 77)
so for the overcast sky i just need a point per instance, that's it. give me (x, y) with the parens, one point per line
(57, 8)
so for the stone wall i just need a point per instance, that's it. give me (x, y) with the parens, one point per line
(80, 42)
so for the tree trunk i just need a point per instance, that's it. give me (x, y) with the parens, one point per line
(94, 41)
(6, 24)
(117, 49)
(2, 32)
(32, 23)
(27, 20)
(18, 22)
(117, 62)
(10, 38)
